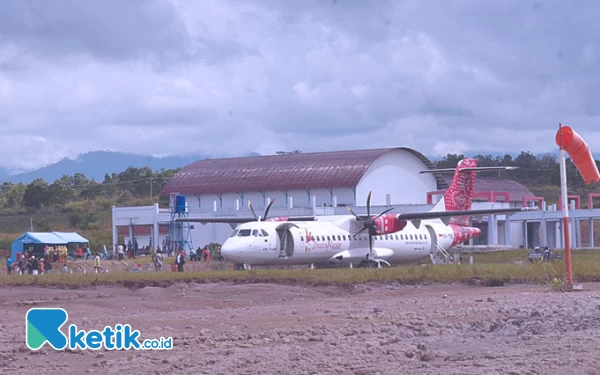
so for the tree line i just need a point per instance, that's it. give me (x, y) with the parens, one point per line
(122, 187)
(135, 183)
(534, 171)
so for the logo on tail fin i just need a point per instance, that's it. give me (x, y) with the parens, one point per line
(458, 197)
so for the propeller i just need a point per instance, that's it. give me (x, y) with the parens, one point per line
(264, 217)
(369, 224)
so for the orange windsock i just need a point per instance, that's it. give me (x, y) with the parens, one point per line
(568, 140)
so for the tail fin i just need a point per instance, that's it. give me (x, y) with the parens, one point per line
(460, 194)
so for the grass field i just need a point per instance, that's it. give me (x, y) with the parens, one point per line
(497, 266)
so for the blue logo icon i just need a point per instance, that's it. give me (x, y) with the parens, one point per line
(43, 325)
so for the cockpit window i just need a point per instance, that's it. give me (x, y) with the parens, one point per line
(235, 232)
(244, 233)
(256, 233)
(264, 233)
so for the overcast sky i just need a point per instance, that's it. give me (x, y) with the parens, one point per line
(227, 77)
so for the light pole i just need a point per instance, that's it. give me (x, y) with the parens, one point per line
(151, 186)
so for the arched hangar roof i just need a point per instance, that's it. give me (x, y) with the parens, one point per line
(278, 172)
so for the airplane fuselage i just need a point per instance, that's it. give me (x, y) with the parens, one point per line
(330, 240)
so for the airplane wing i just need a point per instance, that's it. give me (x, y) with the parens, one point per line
(444, 214)
(240, 220)
(405, 216)
(224, 220)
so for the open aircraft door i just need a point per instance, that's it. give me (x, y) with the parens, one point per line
(434, 239)
(285, 240)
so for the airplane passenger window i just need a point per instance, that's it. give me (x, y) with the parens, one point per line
(386, 237)
(244, 233)
(264, 233)
(344, 237)
(339, 237)
(411, 237)
(396, 237)
(302, 238)
(402, 237)
(328, 238)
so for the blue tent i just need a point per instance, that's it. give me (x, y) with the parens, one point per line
(38, 240)
(71, 237)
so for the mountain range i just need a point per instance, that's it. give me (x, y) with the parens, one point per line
(96, 164)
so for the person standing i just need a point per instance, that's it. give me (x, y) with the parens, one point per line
(120, 251)
(34, 265)
(158, 261)
(180, 261)
(97, 263)
(8, 265)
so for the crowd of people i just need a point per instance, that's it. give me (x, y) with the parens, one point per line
(28, 263)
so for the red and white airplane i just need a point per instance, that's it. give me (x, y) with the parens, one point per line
(344, 239)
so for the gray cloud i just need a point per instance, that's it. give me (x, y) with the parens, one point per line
(108, 29)
(224, 77)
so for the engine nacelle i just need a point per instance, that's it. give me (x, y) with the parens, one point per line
(463, 234)
(389, 224)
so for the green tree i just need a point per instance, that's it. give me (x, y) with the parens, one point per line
(449, 161)
(62, 190)
(36, 194)
(13, 198)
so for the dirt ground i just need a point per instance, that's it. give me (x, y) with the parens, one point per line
(281, 329)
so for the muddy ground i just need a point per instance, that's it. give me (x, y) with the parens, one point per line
(277, 329)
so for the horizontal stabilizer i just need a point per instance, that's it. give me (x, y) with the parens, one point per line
(445, 214)
(471, 169)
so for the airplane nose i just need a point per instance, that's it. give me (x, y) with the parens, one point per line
(227, 250)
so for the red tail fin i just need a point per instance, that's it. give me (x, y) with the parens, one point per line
(458, 197)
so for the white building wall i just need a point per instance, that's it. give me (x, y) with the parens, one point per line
(345, 196)
(299, 198)
(517, 235)
(397, 174)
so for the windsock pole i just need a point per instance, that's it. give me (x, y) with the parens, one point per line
(565, 209)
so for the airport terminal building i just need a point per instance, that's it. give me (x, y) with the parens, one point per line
(325, 183)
